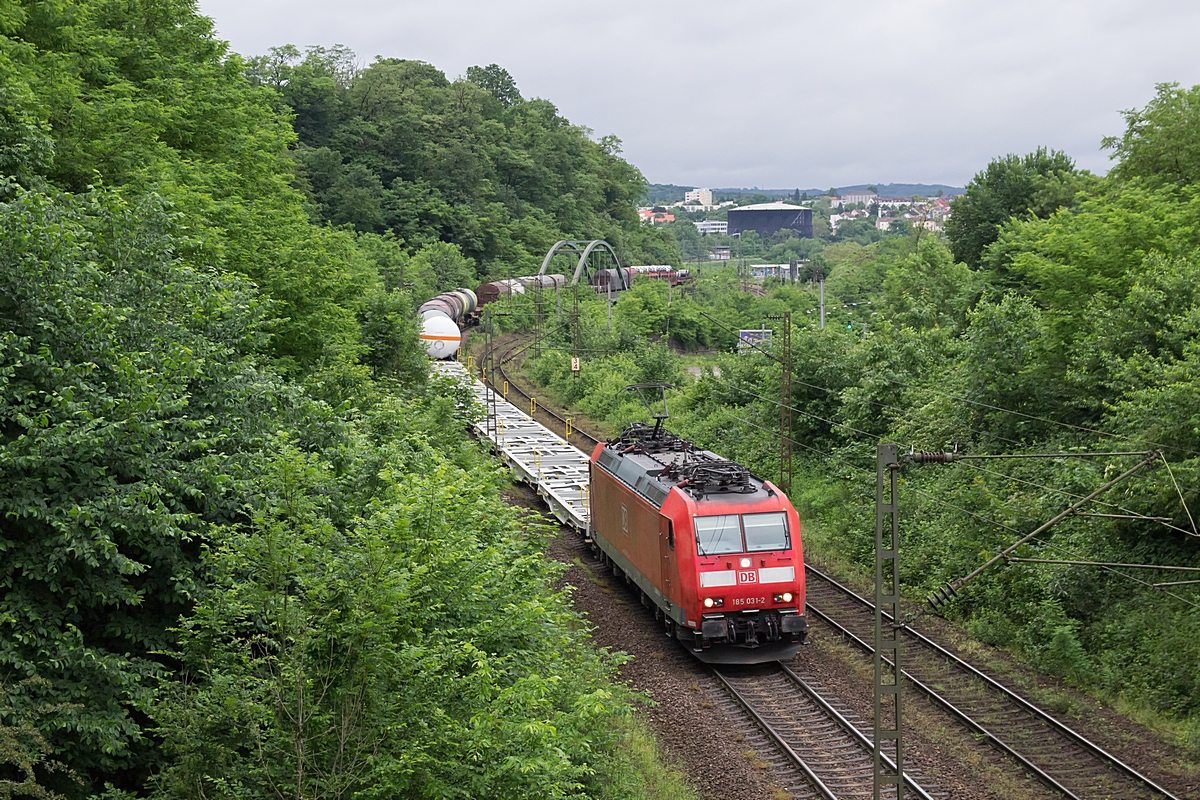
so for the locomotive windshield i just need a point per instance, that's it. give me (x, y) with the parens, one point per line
(718, 535)
(766, 531)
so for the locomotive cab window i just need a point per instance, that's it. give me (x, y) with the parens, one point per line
(718, 535)
(766, 531)
(670, 534)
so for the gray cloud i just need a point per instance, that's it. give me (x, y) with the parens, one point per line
(785, 93)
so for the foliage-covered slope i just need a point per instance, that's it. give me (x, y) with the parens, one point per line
(247, 548)
(398, 148)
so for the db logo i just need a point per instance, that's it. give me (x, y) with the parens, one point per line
(748, 576)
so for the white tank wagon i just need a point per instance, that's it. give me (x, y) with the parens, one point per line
(439, 321)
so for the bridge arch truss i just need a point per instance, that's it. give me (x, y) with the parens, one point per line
(588, 257)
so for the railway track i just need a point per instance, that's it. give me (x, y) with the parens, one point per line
(819, 751)
(814, 749)
(585, 441)
(779, 701)
(1058, 756)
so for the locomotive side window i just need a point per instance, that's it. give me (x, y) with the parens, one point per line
(670, 534)
(718, 535)
(766, 531)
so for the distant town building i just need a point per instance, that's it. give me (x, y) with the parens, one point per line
(835, 219)
(940, 208)
(707, 226)
(655, 216)
(698, 196)
(720, 253)
(862, 196)
(767, 218)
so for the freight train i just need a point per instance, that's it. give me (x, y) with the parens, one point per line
(440, 318)
(715, 550)
(618, 279)
(443, 317)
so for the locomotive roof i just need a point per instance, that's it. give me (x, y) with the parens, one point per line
(651, 464)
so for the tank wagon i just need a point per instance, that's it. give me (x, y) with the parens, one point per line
(440, 318)
(714, 549)
(618, 279)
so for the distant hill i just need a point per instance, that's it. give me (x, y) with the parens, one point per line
(907, 189)
(731, 192)
(659, 193)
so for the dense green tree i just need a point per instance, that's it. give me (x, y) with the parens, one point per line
(132, 400)
(862, 231)
(1160, 143)
(688, 237)
(398, 148)
(143, 95)
(498, 83)
(178, 335)
(1036, 184)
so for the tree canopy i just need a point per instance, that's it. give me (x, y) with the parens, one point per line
(399, 148)
(1159, 144)
(1036, 184)
(223, 455)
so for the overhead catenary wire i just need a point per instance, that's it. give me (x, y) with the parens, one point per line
(1046, 420)
(1050, 545)
(1132, 514)
(877, 439)
(980, 517)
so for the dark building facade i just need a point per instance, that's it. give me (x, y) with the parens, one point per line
(767, 218)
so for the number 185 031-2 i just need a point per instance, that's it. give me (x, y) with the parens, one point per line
(749, 601)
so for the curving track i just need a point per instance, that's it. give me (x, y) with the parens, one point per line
(836, 760)
(1061, 758)
(585, 441)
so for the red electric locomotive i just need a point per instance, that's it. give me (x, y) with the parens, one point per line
(716, 550)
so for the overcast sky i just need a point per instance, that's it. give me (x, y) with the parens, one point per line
(785, 94)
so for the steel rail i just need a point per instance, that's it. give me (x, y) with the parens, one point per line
(783, 746)
(507, 355)
(1072, 735)
(954, 710)
(849, 727)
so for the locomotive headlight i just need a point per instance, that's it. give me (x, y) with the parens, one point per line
(787, 597)
(708, 602)
(745, 563)
(714, 602)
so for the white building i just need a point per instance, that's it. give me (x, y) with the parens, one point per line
(698, 196)
(863, 196)
(707, 226)
(834, 219)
